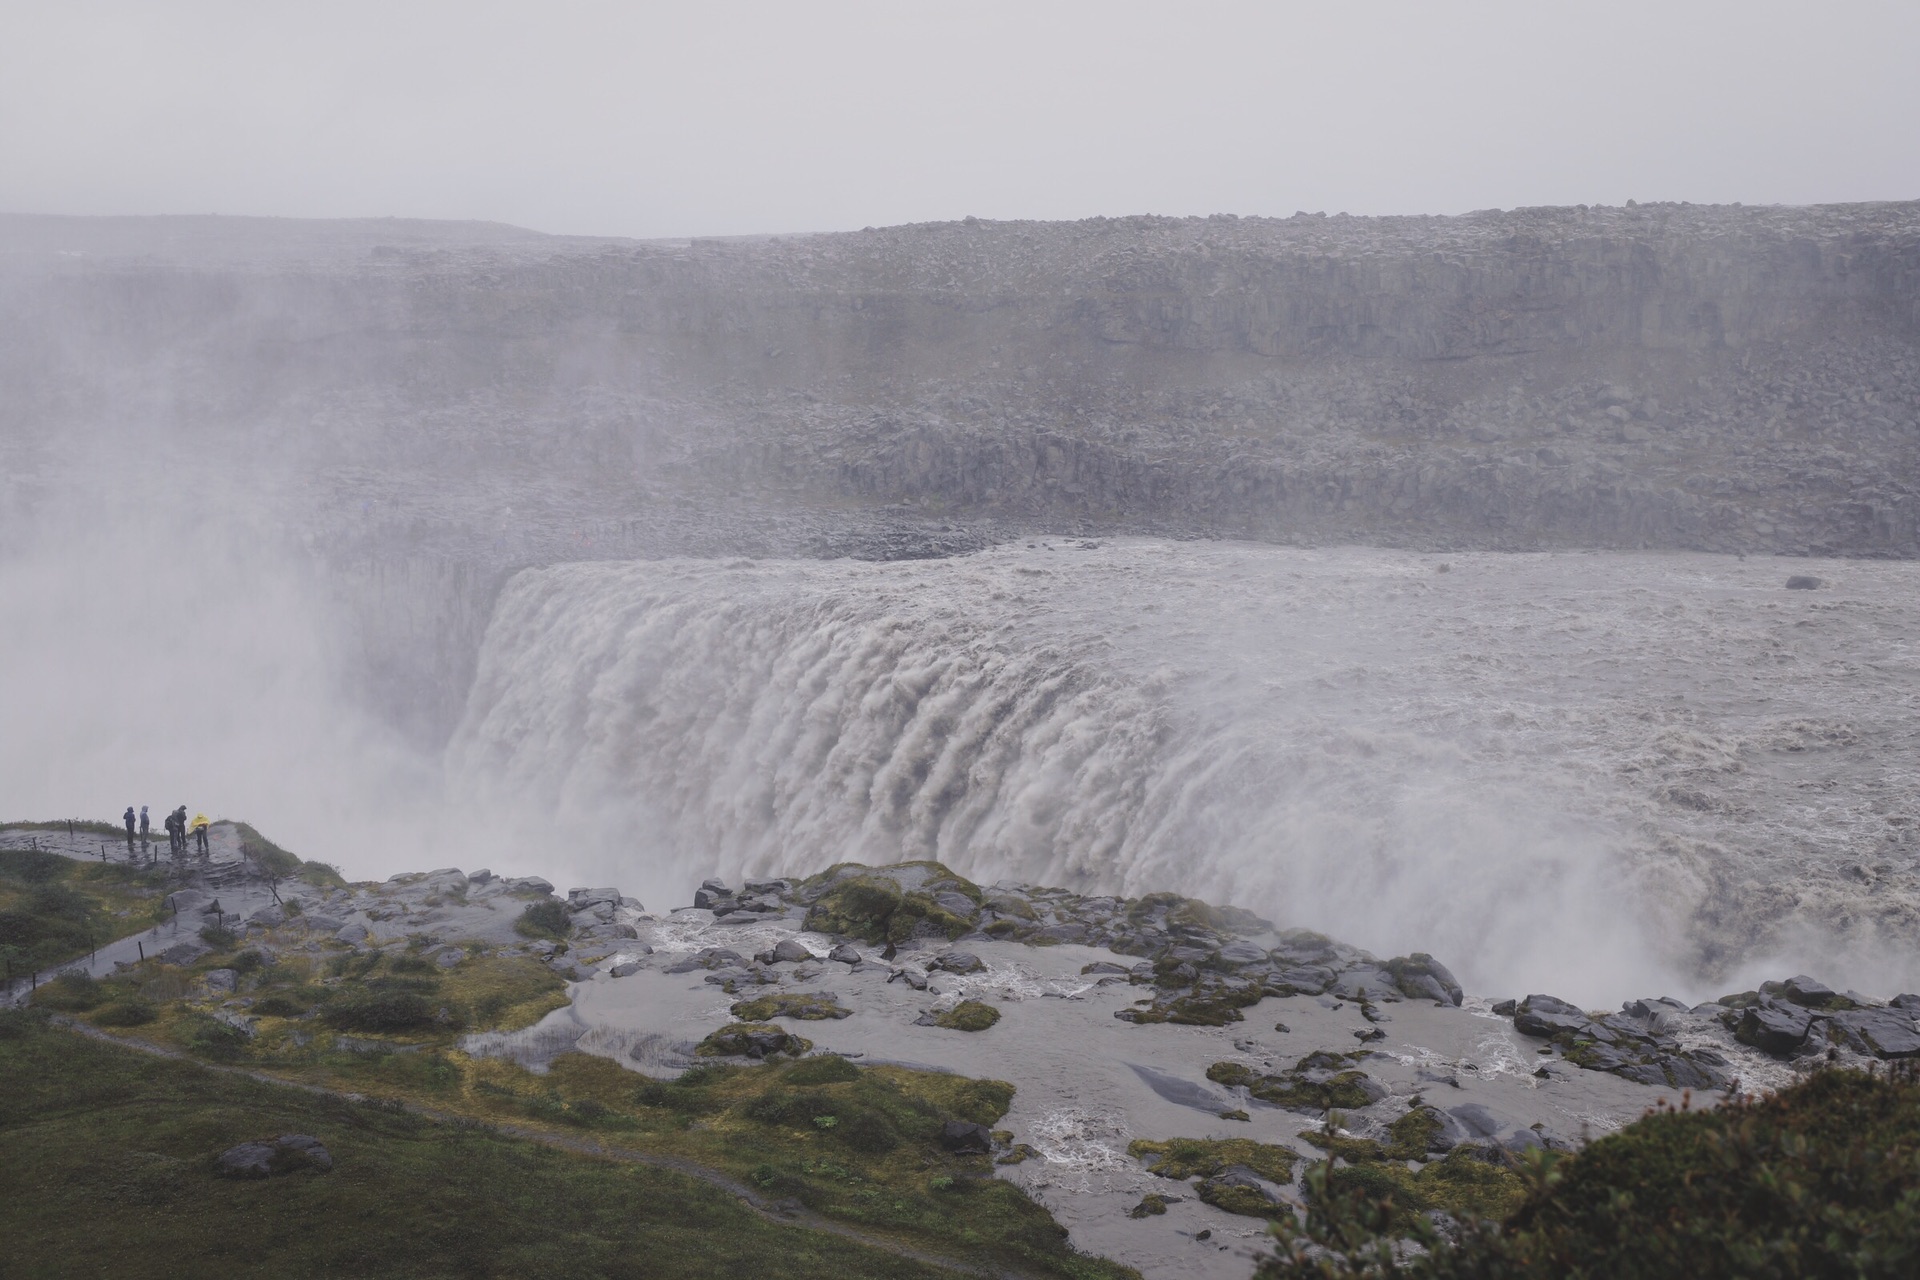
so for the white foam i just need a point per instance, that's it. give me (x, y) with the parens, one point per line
(1592, 775)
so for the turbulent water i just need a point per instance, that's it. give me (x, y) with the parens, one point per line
(1599, 774)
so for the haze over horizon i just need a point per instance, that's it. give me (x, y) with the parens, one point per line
(654, 121)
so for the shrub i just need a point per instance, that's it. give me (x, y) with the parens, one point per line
(217, 938)
(279, 1006)
(544, 919)
(211, 1038)
(125, 1013)
(382, 1011)
(71, 992)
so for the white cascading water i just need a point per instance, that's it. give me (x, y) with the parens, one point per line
(1577, 772)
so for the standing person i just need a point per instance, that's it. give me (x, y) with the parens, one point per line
(176, 835)
(129, 818)
(146, 832)
(200, 825)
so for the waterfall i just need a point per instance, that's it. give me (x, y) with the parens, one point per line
(1480, 762)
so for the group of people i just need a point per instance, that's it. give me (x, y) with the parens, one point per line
(177, 830)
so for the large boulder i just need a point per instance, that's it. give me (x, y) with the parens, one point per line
(965, 1138)
(1240, 953)
(1548, 1016)
(1772, 1027)
(1808, 993)
(751, 1040)
(272, 1157)
(1421, 977)
(1883, 1033)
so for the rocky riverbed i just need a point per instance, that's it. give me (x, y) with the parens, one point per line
(1123, 1024)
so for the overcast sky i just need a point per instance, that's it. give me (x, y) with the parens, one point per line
(593, 117)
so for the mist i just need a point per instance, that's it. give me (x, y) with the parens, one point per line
(632, 445)
(586, 117)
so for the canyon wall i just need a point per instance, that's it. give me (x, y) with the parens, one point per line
(462, 400)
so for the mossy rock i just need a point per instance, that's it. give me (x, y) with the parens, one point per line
(968, 1015)
(1472, 1182)
(784, 1004)
(752, 1040)
(1415, 1133)
(1233, 1074)
(1207, 1157)
(1240, 1198)
(1151, 1205)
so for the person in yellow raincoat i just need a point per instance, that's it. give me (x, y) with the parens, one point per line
(199, 829)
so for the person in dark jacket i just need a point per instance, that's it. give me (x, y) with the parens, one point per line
(129, 818)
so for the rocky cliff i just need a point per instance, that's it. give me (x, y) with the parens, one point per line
(426, 407)
(1663, 375)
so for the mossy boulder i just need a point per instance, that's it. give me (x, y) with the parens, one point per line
(752, 1040)
(1210, 1157)
(1318, 1082)
(968, 1015)
(1239, 1191)
(806, 1007)
(890, 904)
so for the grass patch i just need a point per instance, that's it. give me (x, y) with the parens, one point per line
(277, 862)
(109, 1172)
(54, 909)
(861, 1144)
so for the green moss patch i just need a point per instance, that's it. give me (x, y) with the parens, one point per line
(124, 1143)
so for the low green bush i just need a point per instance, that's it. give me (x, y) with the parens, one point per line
(71, 992)
(547, 918)
(125, 1013)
